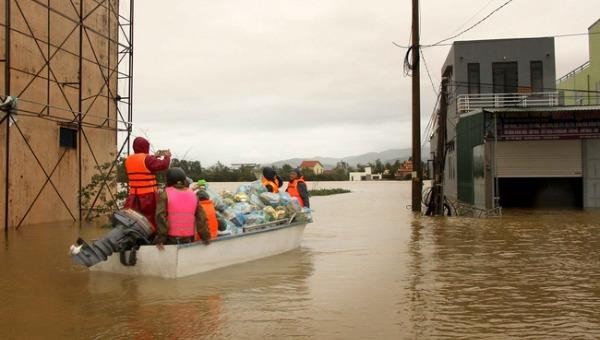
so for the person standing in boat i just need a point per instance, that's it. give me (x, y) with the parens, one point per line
(297, 188)
(178, 214)
(271, 180)
(141, 168)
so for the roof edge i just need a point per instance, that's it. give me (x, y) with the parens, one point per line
(499, 39)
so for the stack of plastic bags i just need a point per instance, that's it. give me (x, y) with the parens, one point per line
(251, 205)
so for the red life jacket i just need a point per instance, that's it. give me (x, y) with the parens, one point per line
(211, 215)
(274, 184)
(181, 212)
(141, 180)
(292, 189)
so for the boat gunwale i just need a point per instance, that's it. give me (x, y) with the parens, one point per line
(231, 237)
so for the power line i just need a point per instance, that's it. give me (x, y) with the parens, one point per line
(408, 67)
(428, 74)
(472, 17)
(544, 89)
(432, 122)
(472, 26)
(566, 35)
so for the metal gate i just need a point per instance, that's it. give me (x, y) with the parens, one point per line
(547, 158)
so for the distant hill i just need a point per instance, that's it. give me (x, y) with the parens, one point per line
(329, 162)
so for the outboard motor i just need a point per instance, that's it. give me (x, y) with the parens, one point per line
(130, 230)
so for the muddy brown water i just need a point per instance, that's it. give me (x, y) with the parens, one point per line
(367, 269)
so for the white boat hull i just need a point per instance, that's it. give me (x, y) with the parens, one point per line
(189, 259)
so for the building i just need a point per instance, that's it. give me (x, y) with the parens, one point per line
(405, 170)
(582, 85)
(63, 61)
(364, 176)
(315, 166)
(504, 137)
(245, 165)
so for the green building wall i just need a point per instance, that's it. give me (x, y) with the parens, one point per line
(578, 88)
(469, 133)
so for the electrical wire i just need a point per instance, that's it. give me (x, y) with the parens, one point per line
(473, 16)
(459, 84)
(566, 35)
(428, 73)
(472, 26)
(431, 125)
(408, 67)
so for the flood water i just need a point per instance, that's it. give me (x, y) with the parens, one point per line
(366, 269)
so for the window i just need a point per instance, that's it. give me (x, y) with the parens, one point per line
(505, 77)
(68, 137)
(473, 77)
(537, 76)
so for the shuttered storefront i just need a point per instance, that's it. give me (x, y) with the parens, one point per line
(548, 158)
(591, 179)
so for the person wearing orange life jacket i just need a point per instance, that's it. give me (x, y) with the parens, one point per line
(211, 213)
(297, 188)
(271, 180)
(178, 214)
(141, 168)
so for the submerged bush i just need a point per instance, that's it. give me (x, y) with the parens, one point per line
(327, 192)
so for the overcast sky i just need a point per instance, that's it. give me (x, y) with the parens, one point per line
(258, 81)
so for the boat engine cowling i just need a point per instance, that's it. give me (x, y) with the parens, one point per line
(130, 230)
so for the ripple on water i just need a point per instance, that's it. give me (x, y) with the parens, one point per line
(522, 275)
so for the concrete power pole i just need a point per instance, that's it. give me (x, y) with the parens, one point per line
(417, 180)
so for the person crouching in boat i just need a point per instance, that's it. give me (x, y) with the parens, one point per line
(141, 170)
(297, 188)
(178, 215)
(208, 207)
(271, 180)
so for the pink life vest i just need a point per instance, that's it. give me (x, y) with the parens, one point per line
(181, 212)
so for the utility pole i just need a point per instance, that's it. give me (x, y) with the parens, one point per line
(417, 181)
(7, 89)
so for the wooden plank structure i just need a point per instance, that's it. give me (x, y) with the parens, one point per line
(70, 65)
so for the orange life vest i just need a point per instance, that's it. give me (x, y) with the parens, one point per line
(292, 189)
(211, 215)
(274, 184)
(141, 180)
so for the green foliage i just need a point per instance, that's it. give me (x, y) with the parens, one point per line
(327, 192)
(193, 169)
(222, 173)
(377, 167)
(95, 197)
(121, 173)
(286, 169)
(216, 173)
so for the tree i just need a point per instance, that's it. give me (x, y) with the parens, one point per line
(285, 170)
(378, 168)
(102, 194)
(246, 173)
(121, 172)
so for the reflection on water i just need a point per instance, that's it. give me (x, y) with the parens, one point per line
(199, 305)
(526, 274)
(367, 268)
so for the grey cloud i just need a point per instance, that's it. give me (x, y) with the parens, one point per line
(238, 80)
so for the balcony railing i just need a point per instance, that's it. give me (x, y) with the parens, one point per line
(574, 72)
(469, 102)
